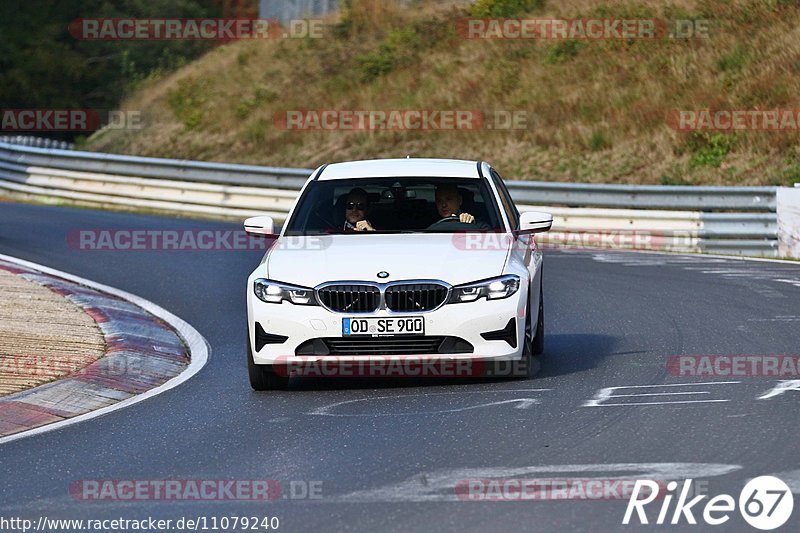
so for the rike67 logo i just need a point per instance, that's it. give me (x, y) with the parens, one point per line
(765, 503)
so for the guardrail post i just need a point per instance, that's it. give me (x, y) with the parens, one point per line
(788, 200)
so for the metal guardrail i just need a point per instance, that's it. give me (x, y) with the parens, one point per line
(734, 219)
(681, 197)
(150, 167)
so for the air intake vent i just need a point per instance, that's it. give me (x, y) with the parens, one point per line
(400, 346)
(415, 297)
(508, 334)
(263, 338)
(350, 298)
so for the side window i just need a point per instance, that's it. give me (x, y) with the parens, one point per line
(505, 197)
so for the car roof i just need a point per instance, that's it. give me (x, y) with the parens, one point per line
(399, 168)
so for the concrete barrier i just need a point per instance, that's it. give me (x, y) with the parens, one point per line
(788, 200)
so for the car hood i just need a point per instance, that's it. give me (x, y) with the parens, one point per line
(453, 258)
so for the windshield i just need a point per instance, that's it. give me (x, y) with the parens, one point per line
(395, 205)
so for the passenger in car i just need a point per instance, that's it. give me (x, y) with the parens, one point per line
(356, 210)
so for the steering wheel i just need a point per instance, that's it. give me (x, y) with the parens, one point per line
(452, 220)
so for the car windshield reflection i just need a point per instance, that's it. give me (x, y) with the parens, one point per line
(395, 205)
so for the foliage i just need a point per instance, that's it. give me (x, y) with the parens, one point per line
(44, 66)
(505, 8)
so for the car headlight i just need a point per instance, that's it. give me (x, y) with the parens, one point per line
(274, 292)
(492, 289)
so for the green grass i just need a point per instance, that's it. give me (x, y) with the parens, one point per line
(187, 100)
(709, 149)
(597, 109)
(505, 8)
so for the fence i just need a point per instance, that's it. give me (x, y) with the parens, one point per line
(285, 10)
(39, 142)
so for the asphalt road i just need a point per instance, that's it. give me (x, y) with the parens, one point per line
(388, 453)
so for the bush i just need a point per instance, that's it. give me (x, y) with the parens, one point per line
(186, 102)
(787, 173)
(563, 52)
(505, 8)
(597, 141)
(262, 96)
(376, 64)
(400, 48)
(733, 61)
(709, 149)
(256, 132)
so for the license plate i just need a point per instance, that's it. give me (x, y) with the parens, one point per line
(409, 325)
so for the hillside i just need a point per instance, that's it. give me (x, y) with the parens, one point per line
(596, 110)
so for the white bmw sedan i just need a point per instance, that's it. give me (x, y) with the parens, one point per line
(395, 259)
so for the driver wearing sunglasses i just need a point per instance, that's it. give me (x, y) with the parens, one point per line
(356, 210)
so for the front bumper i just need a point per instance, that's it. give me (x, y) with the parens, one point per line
(467, 321)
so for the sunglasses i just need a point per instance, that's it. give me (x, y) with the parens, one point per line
(361, 206)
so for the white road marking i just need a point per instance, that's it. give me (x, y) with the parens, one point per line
(607, 393)
(782, 387)
(791, 478)
(658, 394)
(677, 257)
(196, 344)
(440, 485)
(776, 319)
(522, 403)
(735, 268)
(657, 403)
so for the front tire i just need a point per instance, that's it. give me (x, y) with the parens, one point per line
(538, 339)
(529, 364)
(263, 377)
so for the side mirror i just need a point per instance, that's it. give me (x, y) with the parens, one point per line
(260, 225)
(535, 222)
